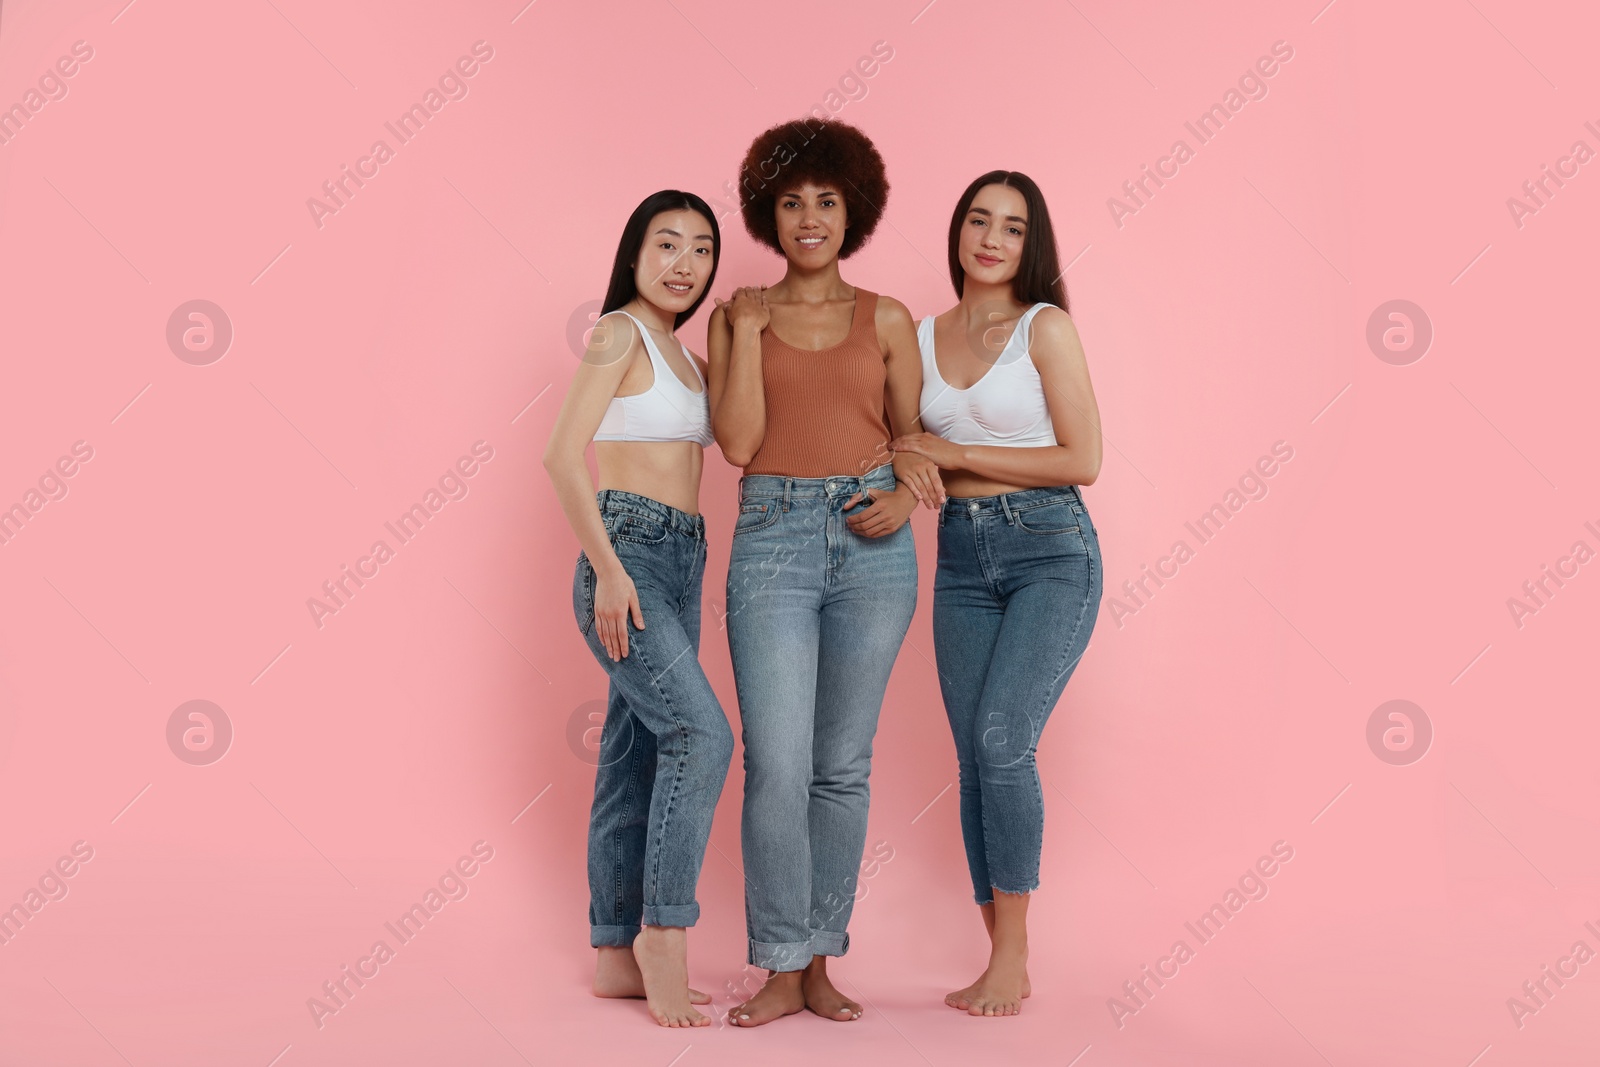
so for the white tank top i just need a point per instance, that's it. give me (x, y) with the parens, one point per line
(667, 411)
(1004, 407)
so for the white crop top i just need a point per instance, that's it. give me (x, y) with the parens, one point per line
(667, 411)
(1004, 407)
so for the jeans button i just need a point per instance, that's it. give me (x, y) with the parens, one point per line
(973, 506)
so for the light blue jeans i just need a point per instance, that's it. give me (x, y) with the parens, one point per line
(665, 745)
(816, 615)
(1014, 602)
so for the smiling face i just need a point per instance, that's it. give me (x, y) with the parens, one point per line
(811, 224)
(675, 260)
(993, 233)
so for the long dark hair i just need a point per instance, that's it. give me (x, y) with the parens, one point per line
(622, 288)
(1038, 278)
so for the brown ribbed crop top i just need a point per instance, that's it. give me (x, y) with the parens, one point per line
(825, 408)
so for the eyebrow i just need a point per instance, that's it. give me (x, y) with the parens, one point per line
(986, 211)
(796, 195)
(675, 233)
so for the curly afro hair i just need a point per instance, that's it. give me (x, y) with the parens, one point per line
(793, 153)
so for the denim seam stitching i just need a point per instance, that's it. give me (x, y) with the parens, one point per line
(677, 778)
(627, 809)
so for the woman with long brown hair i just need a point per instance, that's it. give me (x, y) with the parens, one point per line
(1013, 426)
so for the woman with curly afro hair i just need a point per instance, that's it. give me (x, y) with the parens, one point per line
(809, 379)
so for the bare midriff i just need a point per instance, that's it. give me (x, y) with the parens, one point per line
(966, 483)
(668, 471)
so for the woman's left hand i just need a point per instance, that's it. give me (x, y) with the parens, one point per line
(941, 452)
(888, 512)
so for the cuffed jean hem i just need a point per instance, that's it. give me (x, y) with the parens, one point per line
(612, 936)
(829, 943)
(781, 956)
(671, 914)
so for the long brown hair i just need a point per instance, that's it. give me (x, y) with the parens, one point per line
(1039, 275)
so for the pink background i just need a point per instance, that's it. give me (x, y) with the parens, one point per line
(1228, 713)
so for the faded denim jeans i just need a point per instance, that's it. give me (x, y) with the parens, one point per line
(665, 746)
(816, 615)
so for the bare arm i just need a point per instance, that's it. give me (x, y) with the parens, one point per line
(612, 347)
(1075, 459)
(738, 402)
(916, 476)
(898, 334)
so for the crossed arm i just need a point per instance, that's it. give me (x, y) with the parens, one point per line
(1075, 459)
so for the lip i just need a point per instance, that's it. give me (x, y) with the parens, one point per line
(673, 287)
(987, 261)
(811, 241)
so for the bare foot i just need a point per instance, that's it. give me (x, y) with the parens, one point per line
(821, 996)
(999, 990)
(962, 998)
(616, 974)
(780, 996)
(663, 955)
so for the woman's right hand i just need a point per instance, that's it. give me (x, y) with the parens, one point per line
(615, 599)
(748, 307)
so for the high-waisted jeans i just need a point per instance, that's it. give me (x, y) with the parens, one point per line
(816, 615)
(665, 746)
(1014, 602)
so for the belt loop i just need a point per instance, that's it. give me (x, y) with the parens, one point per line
(788, 487)
(1005, 506)
(941, 515)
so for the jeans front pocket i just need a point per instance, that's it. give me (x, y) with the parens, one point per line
(1055, 517)
(639, 529)
(756, 515)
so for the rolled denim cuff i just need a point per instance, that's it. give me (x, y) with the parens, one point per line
(784, 956)
(671, 914)
(612, 936)
(829, 943)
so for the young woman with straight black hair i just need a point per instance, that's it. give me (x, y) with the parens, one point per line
(1011, 421)
(641, 396)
